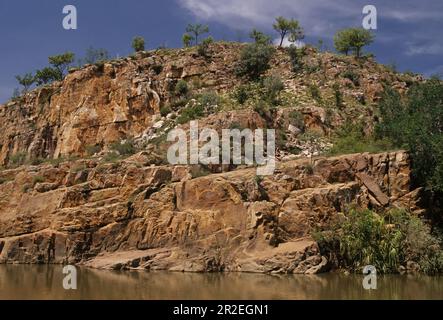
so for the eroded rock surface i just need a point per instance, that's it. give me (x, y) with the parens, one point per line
(131, 216)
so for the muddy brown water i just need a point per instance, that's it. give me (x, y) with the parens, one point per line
(46, 282)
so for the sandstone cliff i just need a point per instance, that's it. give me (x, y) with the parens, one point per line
(161, 218)
(138, 213)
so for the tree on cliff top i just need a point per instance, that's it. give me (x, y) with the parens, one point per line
(138, 44)
(60, 63)
(195, 30)
(289, 28)
(259, 37)
(352, 39)
(26, 81)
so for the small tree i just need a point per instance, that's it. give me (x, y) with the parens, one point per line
(26, 81)
(254, 60)
(46, 75)
(259, 37)
(352, 39)
(138, 44)
(287, 27)
(203, 48)
(342, 41)
(195, 30)
(187, 40)
(60, 64)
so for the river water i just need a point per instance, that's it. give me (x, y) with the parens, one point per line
(46, 282)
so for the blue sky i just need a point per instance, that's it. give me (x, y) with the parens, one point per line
(409, 31)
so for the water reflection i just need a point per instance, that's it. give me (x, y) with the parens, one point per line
(45, 282)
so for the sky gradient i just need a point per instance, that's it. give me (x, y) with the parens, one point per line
(409, 32)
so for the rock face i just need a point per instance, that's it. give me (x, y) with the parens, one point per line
(131, 216)
(102, 104)
(140, 214)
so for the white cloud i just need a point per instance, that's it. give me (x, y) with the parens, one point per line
(286, 43)
(319, 17)
(245, 14)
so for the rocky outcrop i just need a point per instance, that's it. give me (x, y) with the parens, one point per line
(105, 103)
(129, 215)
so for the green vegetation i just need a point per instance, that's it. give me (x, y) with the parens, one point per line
(254, 61)
(416, 123)
(194, 31)
(314, 90)
(289, 28)
(387, 241)
(38, 179)
(138, 44)
(182, 88)
(352, 39)
(296, 56)
(60, 64)
(191, 112)
(26, 81)
(208, 99)
(338, 95)
(187, 40)
(203, 48)
(259, 37)
(352, 139)
(45, 76)
(241, 95)
(353, 76)
(272, 86)
(165, 110)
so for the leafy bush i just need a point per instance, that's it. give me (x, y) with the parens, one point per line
(315, 92)
(241, 94)
(385, 241)
(295, 56)
(351, 139)
(272, 86)
(182, 88)
(165, 110)
(254, 60)
(203, 48)
(338, 95)
(416, 123)
(38, 179)
(191, 112)
(209, 99)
